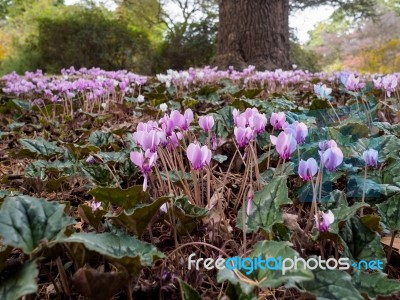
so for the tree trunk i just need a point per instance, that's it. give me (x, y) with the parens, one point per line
(253, 32)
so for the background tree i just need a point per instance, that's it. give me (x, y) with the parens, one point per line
(371, 46)
(257, 32)
(88, 38)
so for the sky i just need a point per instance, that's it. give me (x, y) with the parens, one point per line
(302, 21)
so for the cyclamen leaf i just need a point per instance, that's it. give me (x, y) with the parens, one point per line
(123, 249)
(40, 146)
(137, 219)
(390, 212)
(188, 293)
(331, 284)
(26, 222)
(375, 284)
(267, 206)
(125, 198)
(20, 282)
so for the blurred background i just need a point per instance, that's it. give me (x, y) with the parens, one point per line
(150, 36)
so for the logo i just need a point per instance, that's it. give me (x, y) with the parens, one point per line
(250, 264)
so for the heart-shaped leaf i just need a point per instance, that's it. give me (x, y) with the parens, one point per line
(26, 222)
(127, 251)
(100, 138)
(40, 146)
(390, 213)
(360, 242)
(125, 198)
(188, 293)
(136, 219)
(267, 206)
(275, 277)
(375, 284)
(20, 282)
(331, 284)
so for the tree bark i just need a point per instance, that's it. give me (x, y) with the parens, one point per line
(253, 32)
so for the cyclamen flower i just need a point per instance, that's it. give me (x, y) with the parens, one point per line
(257, 122)
(325, 145)
(277, 120)
(150, 125)
(327, 219)
(332, 158)
(371, 157)
(285, 144)
(206, 123)
(389, 84)
(198, 157)
(94, 205)
(243, 136)
(298, 130)
(322, 91)
(144, 163)
(147, 140)
(91, 160)
(182, 121)
(188, 116)
(163, 107)
(249, 204)
(167, 124)
(174, 140)
(353, 83)
(307, 169)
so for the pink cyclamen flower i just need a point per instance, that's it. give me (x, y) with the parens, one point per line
(168, 123)
(147, 140)
(332, 158)
(277, 120)
(353, 83)
(243, 136)
(198, 157)
(177, 119)
(325, 145)
(174, 140)
(327, 219)
(236, 114)
(257, 122)
(206, 123)
(285, 144)
(298, 130)
(371, 157)
(307, 169)
(144, 163)
(188, 117)
(249, 204)
(94, 205)
(389, 84)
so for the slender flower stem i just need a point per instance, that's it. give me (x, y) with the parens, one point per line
(334, 110)
(269, 150)
(321, 174)
(208, 185)
(256, 169)
(391, 246)
(314, 206)
(283, 167)
(245, 177)
(244, 226)
(277, 167)
(364, 188)
(196, 187)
